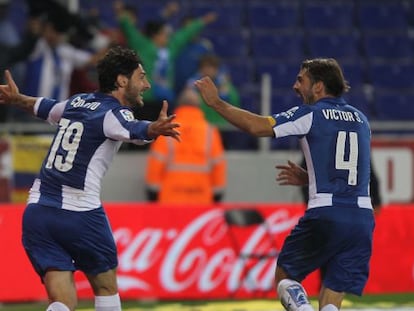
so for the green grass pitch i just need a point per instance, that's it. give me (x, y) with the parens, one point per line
(403, 302)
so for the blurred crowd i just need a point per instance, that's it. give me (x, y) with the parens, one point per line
(54, 53)
(52, 45)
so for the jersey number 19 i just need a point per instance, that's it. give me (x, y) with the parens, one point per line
(68, 138)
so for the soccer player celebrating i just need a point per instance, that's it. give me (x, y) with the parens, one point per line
(65, 227)
(335, 234)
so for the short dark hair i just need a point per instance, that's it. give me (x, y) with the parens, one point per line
(153, 27)
(209, 60)
(117, 61)
(328, 71)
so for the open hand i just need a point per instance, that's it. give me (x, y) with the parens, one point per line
(292, 175)
(208, 90)
(164, 125)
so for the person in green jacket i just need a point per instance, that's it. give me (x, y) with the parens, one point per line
(210, 66)
(158, 47)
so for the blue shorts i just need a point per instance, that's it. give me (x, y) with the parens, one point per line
(58, 239)
(337, 240)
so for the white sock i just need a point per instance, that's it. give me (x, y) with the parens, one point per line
(329, 307)
(293, 296)
(108, 303)
(57, 306)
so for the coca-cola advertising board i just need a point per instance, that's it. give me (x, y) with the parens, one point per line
(177, 252)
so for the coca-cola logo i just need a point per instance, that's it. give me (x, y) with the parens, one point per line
(196, 256)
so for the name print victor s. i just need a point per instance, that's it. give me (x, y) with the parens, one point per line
(334, 114)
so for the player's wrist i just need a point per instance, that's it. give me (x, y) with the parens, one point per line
(216, 102)
(23, 101)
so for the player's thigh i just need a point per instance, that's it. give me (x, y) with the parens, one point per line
(103, 284)
(348, 269)
(303, 249)
(95, 250)
(40, 239)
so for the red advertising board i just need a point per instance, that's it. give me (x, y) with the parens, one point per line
(185, 253)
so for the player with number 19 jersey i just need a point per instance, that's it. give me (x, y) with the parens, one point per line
(91, 129)
(335, 139)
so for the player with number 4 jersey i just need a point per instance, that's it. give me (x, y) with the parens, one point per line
(335, 234)
(335, 139)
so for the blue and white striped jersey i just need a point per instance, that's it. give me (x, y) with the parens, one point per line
(335, 139)
(91, 128)
(48, 71)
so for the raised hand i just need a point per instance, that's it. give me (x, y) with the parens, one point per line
(209, 17)
(164, 125)
(208, 90)
(292, 175)
(9, 92)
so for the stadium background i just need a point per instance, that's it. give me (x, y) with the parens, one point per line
(262, 44)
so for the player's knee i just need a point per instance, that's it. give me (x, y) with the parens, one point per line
(293, 296)
(104, 284)
(105, 290)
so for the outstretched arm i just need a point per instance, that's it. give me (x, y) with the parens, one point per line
(9, 94)
(254, 124)
(292, 175)
(164, 125)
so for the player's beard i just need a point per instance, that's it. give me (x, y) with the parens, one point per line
(133, 95)
(307, 97)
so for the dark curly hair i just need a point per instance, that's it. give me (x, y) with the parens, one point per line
(117, 61)
(328, 71)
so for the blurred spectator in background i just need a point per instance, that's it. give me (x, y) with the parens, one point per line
(50, 65)
(9, 33)
(133, 11)
(88, 36)
(190, 171)
(158, 46)
(10, 37)
(187, 62)
(130, 12)
(210, 66)
(11, 54)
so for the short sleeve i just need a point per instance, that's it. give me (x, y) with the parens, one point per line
(296, 121)
(120, 124)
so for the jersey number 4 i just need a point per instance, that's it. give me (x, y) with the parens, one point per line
(68, 138)
(351, 164)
